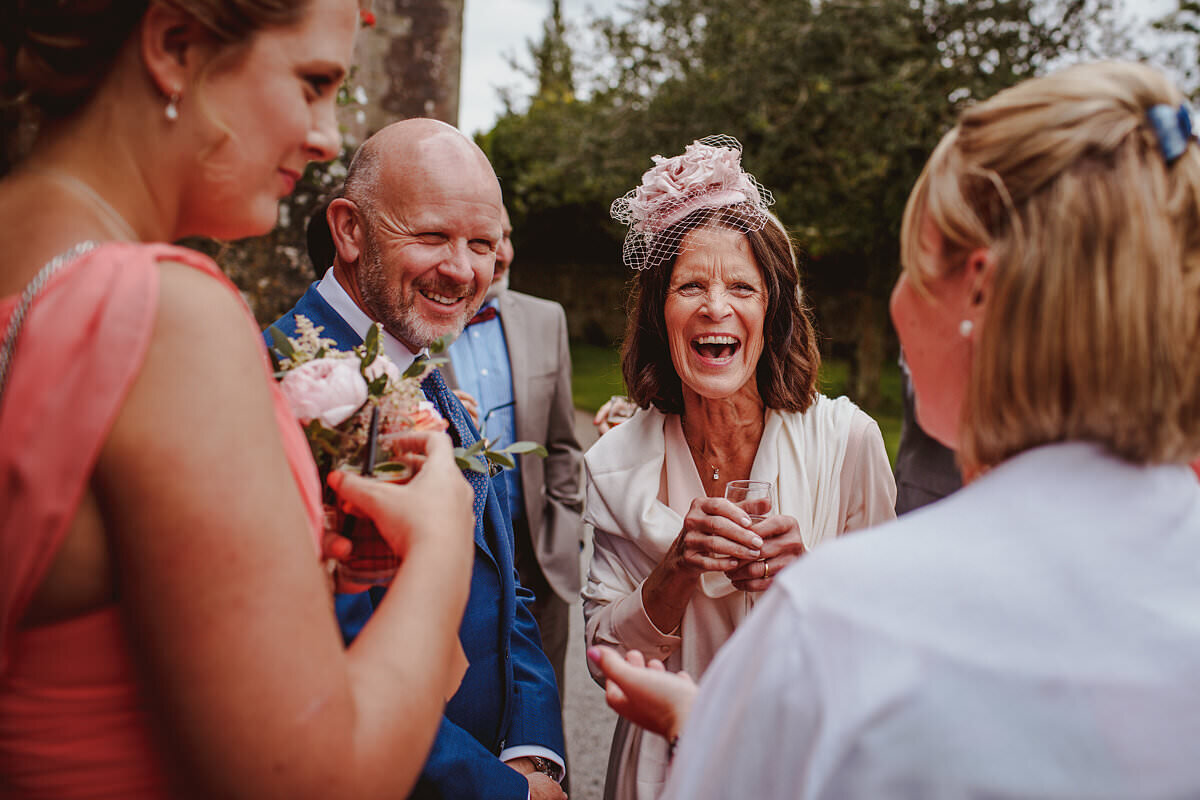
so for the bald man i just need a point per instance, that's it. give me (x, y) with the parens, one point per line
(415, 233)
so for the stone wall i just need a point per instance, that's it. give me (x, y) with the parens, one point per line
(410, 63)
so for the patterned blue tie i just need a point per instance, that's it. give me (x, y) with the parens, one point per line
(460, 431)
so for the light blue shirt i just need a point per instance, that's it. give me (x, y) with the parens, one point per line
(480, 358)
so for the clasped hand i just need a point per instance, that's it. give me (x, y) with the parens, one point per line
(718, 536)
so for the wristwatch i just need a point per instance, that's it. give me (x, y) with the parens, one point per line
(547, 767)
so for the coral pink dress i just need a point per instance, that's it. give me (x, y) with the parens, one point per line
(72, 720)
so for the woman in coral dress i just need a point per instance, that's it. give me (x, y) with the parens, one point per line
(165, 626)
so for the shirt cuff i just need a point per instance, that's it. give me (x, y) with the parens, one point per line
(526, 750)
(633, 628)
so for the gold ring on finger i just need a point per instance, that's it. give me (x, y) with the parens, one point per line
(766, 569)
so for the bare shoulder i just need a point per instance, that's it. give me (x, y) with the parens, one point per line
(202, 319)
(191, 295)
(205, 358)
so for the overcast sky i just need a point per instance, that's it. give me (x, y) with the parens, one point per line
(493, 29)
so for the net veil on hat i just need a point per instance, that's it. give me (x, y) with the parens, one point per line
(707, 175)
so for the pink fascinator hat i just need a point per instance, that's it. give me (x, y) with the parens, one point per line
(707, 175)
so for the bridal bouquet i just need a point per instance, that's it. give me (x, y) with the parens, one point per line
(333, 393)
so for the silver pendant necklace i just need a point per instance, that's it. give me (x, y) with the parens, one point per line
(698, 453)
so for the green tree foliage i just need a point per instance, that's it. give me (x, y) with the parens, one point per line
(1183, 49)
(838, 104)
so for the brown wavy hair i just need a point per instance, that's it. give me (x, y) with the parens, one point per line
(787, 369)
(1093, 320)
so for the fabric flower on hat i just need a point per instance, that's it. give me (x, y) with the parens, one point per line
(708, 174)
(672, 182)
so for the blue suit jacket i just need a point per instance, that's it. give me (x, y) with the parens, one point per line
(508, 697)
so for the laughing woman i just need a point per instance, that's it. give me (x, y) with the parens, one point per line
(721, 357)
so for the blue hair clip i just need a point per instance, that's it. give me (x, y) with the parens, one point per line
(1173, 127)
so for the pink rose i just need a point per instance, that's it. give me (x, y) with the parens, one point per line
(328, 389)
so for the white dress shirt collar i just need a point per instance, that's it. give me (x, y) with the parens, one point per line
(340, 301)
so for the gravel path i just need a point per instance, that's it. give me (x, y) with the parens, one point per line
(588, 721)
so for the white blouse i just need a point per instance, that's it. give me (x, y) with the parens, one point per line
(831, 473)
(1035, 635)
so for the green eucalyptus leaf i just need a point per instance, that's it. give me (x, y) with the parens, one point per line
(469, 462)
(499, 457)
(415, 369)
(526, 447)
(440, 344)
(371, 343)
(477, 447)
(375, 388)
(281, 343)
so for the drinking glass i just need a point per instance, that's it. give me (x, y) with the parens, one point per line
(372, 561)
(757, 499)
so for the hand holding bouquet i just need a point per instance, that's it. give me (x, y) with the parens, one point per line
(335, 394)
(357, 410)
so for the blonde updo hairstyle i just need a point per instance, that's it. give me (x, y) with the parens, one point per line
(54, 55)
(1092, 328)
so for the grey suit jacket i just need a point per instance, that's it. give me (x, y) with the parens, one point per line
(536, 334)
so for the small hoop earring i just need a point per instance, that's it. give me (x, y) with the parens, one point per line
(965, 328)
(172, 109)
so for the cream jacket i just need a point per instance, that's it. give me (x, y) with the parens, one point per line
(831, 473)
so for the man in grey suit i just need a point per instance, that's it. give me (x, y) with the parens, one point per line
(512, 361)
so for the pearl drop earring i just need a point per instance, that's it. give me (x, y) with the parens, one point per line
(172, 109)
(965, 328)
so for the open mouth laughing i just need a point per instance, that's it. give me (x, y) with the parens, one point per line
(448, 297)
(716, 347)
(441, 299)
